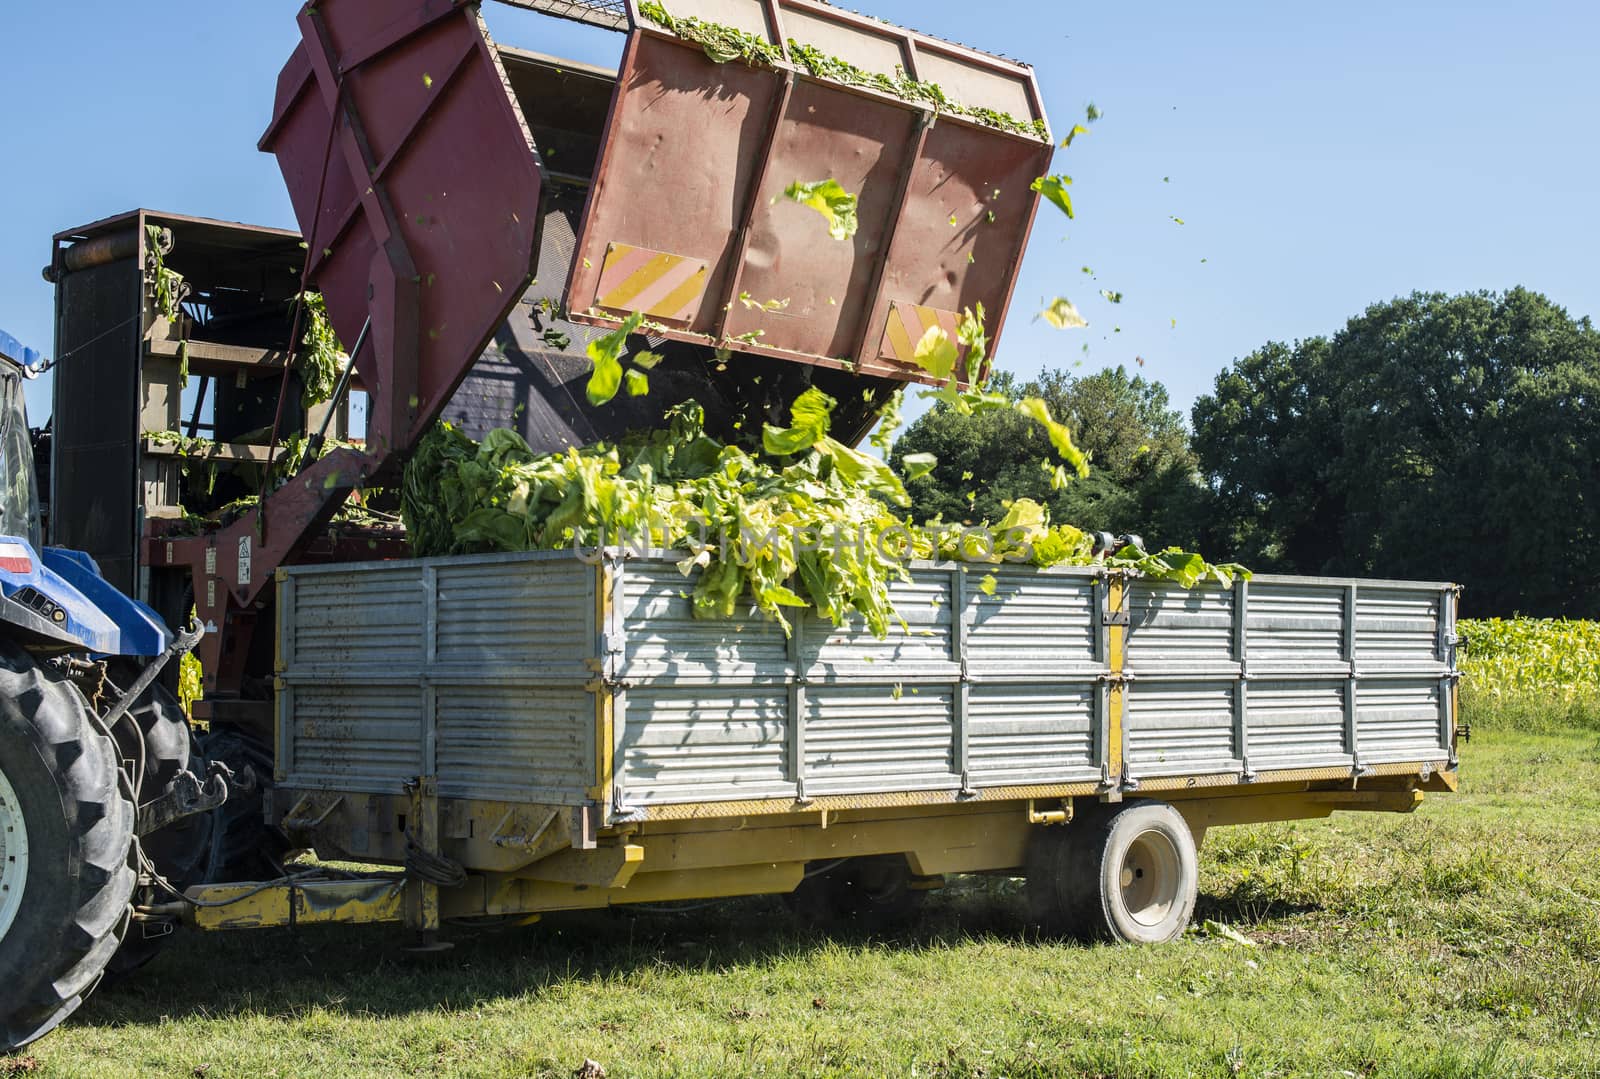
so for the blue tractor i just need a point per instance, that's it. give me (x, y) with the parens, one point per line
(95, 754)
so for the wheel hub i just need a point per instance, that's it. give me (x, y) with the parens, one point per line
(1150, 878)
(13, 855)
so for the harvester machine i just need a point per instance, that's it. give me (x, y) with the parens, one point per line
(473, 216)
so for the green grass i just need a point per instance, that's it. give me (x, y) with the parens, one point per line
(1462, 940)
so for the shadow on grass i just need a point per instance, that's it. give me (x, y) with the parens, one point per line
(1247, 903)
(367, 971)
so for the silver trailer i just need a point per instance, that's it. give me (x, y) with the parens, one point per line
(563, 732)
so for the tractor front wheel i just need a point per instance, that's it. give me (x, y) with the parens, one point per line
(67, 868)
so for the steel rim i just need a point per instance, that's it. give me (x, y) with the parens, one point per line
(1150, 878)
(13, 855)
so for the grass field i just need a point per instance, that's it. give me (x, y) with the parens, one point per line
(1462, 940)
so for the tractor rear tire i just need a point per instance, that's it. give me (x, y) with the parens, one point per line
(67, 868)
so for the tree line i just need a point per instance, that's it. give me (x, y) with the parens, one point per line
(1434, 437)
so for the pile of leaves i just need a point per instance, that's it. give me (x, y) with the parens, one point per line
(805, 522)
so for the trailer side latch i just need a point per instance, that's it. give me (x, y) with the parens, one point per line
(1115, 618)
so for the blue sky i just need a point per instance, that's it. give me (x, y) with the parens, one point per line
(1323, 157)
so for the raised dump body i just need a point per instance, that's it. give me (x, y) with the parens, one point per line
(540, 688)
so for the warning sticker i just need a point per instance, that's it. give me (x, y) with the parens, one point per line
(244, 560)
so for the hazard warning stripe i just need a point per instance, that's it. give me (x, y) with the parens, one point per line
(657, 284)
(907, 325)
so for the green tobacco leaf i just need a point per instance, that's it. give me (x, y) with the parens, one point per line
(1054, 188)
(987, 585)
(1077, 129)
(918, 465)
(1060, 437)
(936, 353)
(638, 383)
(1111, 295)
(647, 360)
(830, 200)
(604, 353)
(809, 418)
(1062, 315)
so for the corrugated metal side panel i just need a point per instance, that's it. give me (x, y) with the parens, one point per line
(472, 669)
(1177, 728)
(1027, 734)
(365, 738)
(924, 646)
(861, 738)
(1174, 629)
(1294, 627)
(1034, 624)
(514, 743)
(693, 744)
(534, 620)
(371, 616)
(1290, 723)
(1397, 630)
(1397, 719)
(664, 640)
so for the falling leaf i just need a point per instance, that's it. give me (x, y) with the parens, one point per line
(1060, 436)
(918, 465)
(647, 359)
(987, 585)
(1054, 188)
(809, 418)
(762, 305)
(952, 220)
(638, 383)
(604, 352)
(1091, 113)
(1088, 271)
(1179, 220)
(967, 475)
(830, 200)
(935, 353)
(896, 692)
(1174, 324)
(1062, 315)
(1111, 295)
(970, 259)
(427, 80)
(991, 216)
(1166, 179)
(1077, 129)
(587, 265)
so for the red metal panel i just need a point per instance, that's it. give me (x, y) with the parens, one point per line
(695, 163)
(428, 201)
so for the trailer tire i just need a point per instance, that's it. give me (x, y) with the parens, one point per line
(67, 826)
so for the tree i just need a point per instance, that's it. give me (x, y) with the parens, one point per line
(1142, 480)
(1433, 437)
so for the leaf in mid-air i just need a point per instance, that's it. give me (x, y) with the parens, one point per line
(647, 360)
(830, 200)
(1054, 188)
(936, 353)
(1077, 129)
(809, 418)
(1112, 296)
(919, 464)
(987, 585)
(1060, 437)
(1062, 315)
(638, 383)
(604, 353)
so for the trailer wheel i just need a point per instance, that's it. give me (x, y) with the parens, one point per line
(66, 850)
(1127, 873)
(871, 892)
